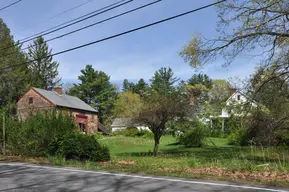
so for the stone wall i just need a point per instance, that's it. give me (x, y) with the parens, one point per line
(24, 108)
(92, 119)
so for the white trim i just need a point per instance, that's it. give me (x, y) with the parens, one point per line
(145, 177)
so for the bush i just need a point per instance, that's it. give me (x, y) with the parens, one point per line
(194, 136)
(98, 135)
(33, 136)
(237, 138)
(133, 132)
(79, 147)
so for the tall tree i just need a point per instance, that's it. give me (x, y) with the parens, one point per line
(163, 80)
(44, 69)
(220, 90)
(138, 87)
(202, 79)
(245, 26)
(128, 86)
(95, 89)
(127, 105)
(14, 81)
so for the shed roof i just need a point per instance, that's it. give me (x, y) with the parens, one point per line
(64, 100)
(121, 122)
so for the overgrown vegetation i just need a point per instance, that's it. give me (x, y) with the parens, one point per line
(215, 160)
(51, 133)
(133, 132)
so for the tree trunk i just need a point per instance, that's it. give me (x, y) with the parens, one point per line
(156, 146)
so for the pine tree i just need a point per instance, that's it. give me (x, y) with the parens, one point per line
(163, 80)
(128, 86)
(14, 80)
(95, 89)
(44, 69)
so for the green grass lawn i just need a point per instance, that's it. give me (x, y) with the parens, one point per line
(216, 160)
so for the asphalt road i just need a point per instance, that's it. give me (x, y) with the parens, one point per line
(22, 177)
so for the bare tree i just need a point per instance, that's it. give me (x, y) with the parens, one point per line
(244, 26)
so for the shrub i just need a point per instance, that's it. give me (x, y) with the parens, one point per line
(33, 136)
(79, 147)
(133, 132)
(194, 136)
(238, 137)
(98, 135)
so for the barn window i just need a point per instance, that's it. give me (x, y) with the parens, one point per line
(238, 97)
(30, 100)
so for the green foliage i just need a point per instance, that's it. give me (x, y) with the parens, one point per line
(14, 80)
(238, 137)
(220, 91)
(128, 104)
(194, 136)
(138, 88)
(79, 147)
(163, 80)
(134, 132)
(95, 89)
(44, 69)
(98, 135)
(202, 79)
(36, 133)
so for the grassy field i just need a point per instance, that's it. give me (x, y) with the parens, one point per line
(217, 160)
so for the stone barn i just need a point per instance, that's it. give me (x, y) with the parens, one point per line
(36, 99)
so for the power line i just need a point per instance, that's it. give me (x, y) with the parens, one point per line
(91, 25)
(59, 14)
(76, 20)
(1, 9)
(119, 34)
(105, 9)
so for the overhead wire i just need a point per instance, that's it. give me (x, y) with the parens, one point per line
(59, 14)
(74, 21)
(119, 34)
(7, 6)
(91, 25)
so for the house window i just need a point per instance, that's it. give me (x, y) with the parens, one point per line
(30, 100)
(92, 117)
(238, 97)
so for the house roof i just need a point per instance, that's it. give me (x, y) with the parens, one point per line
(121, 122)
(65, 100)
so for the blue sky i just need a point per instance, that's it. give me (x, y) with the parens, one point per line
(133, 56)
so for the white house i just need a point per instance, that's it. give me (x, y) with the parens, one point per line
(236, 99)
(124, 123)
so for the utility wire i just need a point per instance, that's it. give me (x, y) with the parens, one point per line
(1, 9)
(59, 14)
(76, 20)
(82, 18)
(119, 34)
(91, 25)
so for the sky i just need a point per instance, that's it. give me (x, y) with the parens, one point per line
(133, 56)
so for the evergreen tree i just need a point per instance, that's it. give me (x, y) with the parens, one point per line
(141, 86)
(202, 79)
(128, 86)
(163, 80)
(14, 81)
(95, 89)
(44, 69)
